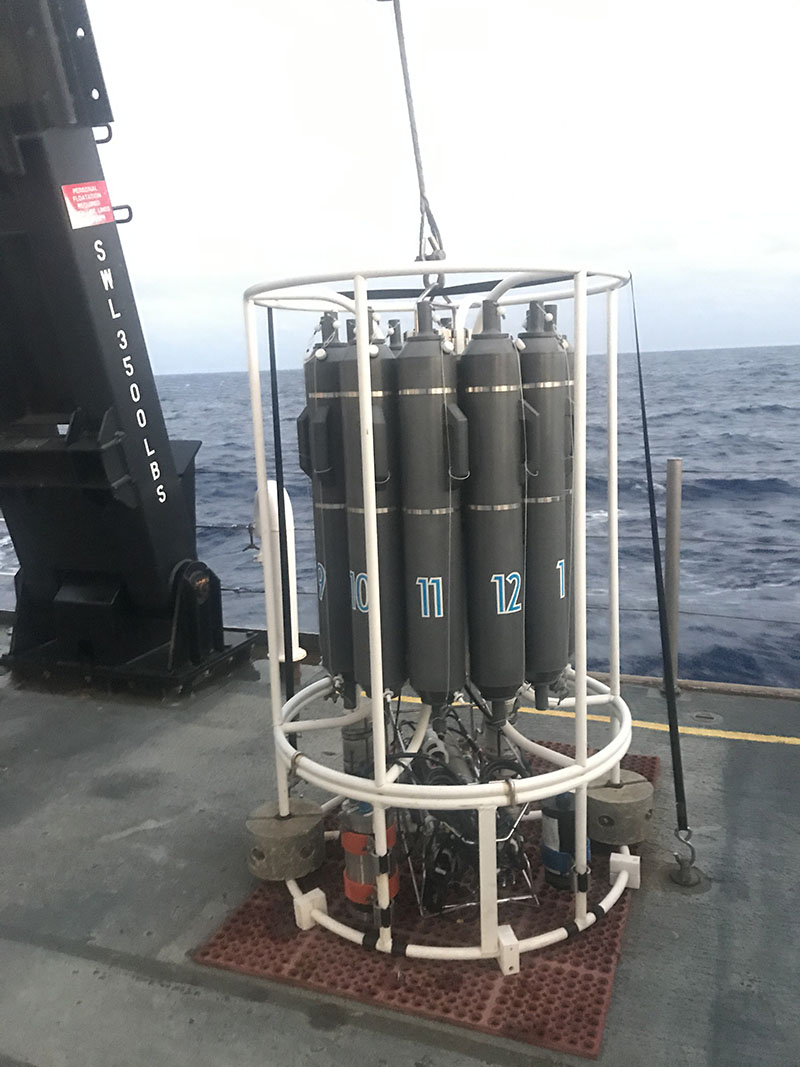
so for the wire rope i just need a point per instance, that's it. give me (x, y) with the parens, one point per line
(425, 212)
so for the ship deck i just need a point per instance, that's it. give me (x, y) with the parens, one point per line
(123, 848)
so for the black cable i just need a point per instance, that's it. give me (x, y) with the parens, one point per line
(666, 652)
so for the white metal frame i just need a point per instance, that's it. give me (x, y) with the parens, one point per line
(383, 791)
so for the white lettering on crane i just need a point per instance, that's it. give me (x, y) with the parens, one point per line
(107, 281)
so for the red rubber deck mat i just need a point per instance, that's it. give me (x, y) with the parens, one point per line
(559, 1000)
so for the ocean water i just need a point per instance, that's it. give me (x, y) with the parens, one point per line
(732, 416)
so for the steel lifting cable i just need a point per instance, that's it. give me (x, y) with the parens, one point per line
(425, 213)
(682, 830)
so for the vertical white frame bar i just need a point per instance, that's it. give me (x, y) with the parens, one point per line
(270, 592)
(487, 873)
(370, 527)
(579, 575)
(612, 419)
(373, 588)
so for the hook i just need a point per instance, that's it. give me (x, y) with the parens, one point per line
(687, 875)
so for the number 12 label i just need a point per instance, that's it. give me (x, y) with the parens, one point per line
(507, 604)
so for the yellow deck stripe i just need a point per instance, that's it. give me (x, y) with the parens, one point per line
(692, 731)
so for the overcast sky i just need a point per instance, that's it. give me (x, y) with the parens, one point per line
(259, 138)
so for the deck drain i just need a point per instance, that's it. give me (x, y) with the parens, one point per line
(705, 717)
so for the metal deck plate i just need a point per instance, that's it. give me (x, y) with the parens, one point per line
(558, 1001)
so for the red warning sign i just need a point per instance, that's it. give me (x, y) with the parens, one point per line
(88, 204)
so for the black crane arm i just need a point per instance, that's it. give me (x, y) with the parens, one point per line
(98, 501)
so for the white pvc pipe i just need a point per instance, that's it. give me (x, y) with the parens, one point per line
(298, 653)
(347, 932)
(413, 746)
(370, 535)
(513, 280)
(321, 300)
(270, 593)
(594, 684)
(293, 706)
(293, 300)
(595, 700)
(397, 795)
(332, 723)
(551, 296)
(460, 324)
(297, 303)
(417, 270)
(373, 591)
(552, 937)
(486, 949)
(471, 952)
(453, 795)
(579, 575)
(612, 330)
(444, 952)
(487, 876)
(302, 301)
(383, 892)
(618, 887)
(417, 795)
(459, 797)
(513, 734)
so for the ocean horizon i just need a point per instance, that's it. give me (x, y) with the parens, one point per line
(731, 415)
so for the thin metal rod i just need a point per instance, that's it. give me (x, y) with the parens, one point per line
(487, 871)
(672, 570)
(270, 597)
(286, 602)
(579, 575)
(612, 419)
